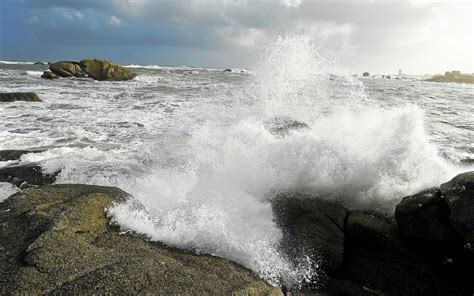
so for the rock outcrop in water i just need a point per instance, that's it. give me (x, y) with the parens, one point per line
(67, 69)
(92, 68)
(58, 240)
(453, 76)
(105, 70)
(49, 75)
(23, 176)
(426, 249)
(19, 96)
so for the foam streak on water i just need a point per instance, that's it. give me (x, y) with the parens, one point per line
(199, 152)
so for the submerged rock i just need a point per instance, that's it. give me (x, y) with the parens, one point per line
(24, 175)
(459, 195)
(40, 63)
(105, 70)
(57, 239)
(49, 75)
(19, 96)
(67, 69)
(283, 126)
(312, 227)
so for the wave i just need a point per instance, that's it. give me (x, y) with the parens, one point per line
(184, 68)
(34, 73)
(16, 63)
(218, 202)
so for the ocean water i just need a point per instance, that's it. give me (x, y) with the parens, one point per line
(203, 151)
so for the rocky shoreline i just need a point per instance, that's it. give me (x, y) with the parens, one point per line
(58, 239)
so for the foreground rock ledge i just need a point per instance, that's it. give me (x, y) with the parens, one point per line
(57, 239)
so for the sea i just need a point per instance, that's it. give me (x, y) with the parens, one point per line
(203, 151)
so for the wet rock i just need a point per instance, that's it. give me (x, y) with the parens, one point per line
(40, 63)
(67, 69)
(377, 258)
(24, 175)
(311, 226)
(424, 217)
(227, 70)
(366, 74)
(19, 96)
(49, 75)
(57, 239)
(6, 155)
(105, 70)
(459, 195)
(283, 126)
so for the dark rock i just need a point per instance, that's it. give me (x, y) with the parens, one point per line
(459, 195)
(105, 70)
(19, 96)
(67, 69)
(366, 74)
(376, 257)
(227, 70)
(388, 76)
(311, 226)
(40, 63)
(425, 217)
(6, 155)
(283, 126)
(58, 240)
(25, 175)
(49, 75)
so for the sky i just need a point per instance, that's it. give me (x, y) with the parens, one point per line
(417, 36)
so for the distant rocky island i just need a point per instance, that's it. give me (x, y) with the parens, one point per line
(453, 76)
(92, 68)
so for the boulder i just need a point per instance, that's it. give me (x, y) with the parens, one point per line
(23, 176)
(105, 70)
(6, 155)
(49, 75)
(424, 217)
(311, 226)
(377, 258)
(67, 69)
(40, 63)
(459, 195)
(366, 74)
(58, 240)
(227, 70)
(19, 96)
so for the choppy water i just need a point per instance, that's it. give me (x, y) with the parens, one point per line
(195, 148)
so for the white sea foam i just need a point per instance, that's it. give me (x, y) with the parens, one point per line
(34, 73)
(16, 63)
(7, 189)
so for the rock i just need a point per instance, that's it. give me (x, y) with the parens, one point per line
(388, 76)
(25, 175)
(49, 75)
(366, 74)
(424, 217)
(67, 69)
(378, 259)
(311, 226)
(19, 96)
(227, 70)
(459, 195)
(283, 126)
(6, 155)
(40, 63)
(105, 70)
(58, 240)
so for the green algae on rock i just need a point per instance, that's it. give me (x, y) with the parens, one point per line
(105, 70)
(57, 239)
